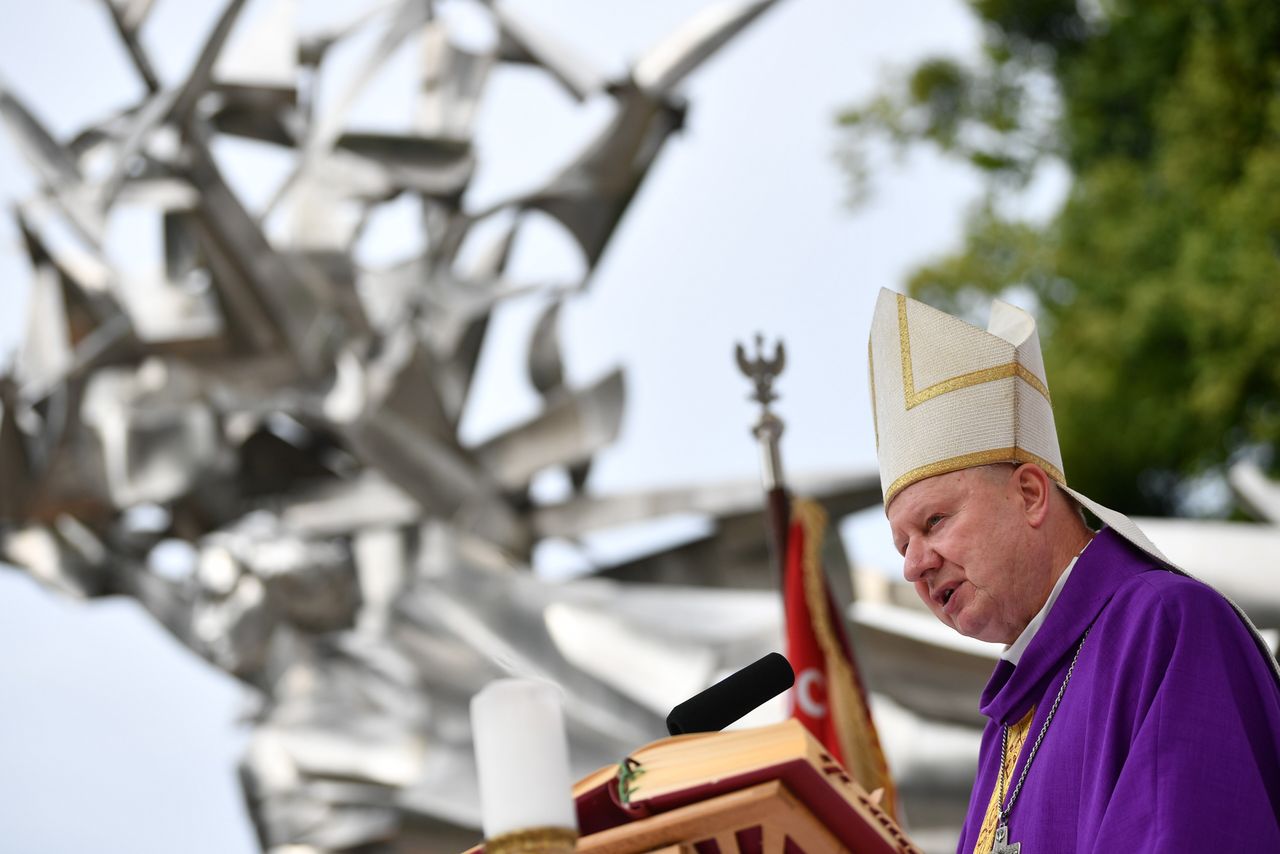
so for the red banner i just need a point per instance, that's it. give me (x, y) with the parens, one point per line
(828, 697)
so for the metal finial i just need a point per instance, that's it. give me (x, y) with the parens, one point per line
(762, 371)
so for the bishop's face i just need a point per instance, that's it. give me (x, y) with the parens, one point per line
(965, 543)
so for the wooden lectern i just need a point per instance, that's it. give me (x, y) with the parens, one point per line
(772, 790)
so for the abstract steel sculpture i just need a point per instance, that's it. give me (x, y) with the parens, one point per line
(292, 415)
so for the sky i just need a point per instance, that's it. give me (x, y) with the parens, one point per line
(117, 739)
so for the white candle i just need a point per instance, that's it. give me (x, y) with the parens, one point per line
(522, 757)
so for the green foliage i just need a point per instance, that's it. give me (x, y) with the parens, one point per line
(1158, 280)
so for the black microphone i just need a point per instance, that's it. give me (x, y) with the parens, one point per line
(732, 697)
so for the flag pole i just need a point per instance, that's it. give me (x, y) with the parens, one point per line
(762, 370)
(829, 697)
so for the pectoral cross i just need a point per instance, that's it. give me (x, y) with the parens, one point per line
(1002, 845)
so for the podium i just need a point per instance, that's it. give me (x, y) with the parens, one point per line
(771, 790)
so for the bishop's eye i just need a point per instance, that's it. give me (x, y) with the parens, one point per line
(932, 521)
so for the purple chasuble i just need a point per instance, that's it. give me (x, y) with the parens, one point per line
(1168, 736)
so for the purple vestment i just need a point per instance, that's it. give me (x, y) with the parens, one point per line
(1168, 736)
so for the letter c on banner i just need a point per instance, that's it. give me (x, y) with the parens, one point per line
(809, 679)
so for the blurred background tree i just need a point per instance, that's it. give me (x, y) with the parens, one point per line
(1157, 279)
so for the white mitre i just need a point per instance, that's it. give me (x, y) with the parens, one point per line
(946, 396)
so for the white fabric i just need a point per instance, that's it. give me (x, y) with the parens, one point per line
(944, 391)
(1011, 323)
(1121, 524)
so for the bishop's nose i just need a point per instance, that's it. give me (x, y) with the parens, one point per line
(919, 559)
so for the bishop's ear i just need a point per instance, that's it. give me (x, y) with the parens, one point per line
(1034, 490)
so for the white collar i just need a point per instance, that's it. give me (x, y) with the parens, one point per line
(1013, 652)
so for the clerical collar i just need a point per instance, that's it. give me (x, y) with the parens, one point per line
(1013, 652)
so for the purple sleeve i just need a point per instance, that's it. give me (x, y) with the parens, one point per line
(1201, 773)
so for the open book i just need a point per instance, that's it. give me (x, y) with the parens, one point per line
(754, 790)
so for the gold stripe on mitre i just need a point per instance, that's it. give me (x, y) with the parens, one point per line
(968, 461)
(1001, 410)
(871, 378)
(966, 380)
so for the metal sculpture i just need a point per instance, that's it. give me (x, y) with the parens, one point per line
(286, 419)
